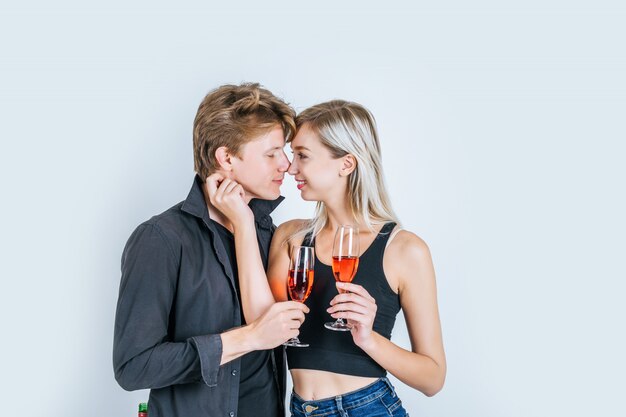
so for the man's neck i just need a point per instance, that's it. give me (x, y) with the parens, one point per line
(214, 213)
(218, 217)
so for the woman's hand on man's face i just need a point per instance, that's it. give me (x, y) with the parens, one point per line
(228, 197)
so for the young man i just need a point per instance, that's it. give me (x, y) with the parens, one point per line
(178, 326)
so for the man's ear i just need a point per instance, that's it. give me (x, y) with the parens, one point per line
(223, 157)
(348, 165)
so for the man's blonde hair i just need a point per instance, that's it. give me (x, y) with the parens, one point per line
(231, 116)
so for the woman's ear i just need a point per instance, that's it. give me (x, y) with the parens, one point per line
(348, 165)
(223, 157)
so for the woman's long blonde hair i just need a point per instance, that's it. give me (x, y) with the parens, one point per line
(349, 128)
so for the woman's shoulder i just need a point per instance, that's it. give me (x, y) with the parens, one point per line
(287, 230)
(408, 259)
(292, 226)
(406, 244)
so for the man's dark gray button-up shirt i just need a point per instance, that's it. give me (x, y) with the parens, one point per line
(177, 294)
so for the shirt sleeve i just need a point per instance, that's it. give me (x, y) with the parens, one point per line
(144, 357)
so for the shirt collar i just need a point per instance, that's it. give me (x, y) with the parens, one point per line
(194, 204)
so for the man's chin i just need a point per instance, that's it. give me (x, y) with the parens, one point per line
(266, 195)
(272, 196)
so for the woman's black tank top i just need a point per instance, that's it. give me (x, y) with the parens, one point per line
(335, 351)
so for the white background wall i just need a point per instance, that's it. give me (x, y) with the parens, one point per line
(502, 127)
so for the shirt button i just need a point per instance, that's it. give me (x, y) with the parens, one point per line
(231, 414)
(234, 372)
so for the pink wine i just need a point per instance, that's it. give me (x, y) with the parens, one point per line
(300, 283)
(345, 267)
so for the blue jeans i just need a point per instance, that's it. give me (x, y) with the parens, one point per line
(378, 399)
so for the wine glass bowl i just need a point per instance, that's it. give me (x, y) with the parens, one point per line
(346, 247)
(344, 268)
(300, 280)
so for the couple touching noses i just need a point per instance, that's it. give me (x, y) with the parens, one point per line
(203, 307)
(333, 139)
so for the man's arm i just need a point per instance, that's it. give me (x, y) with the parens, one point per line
(142, 355)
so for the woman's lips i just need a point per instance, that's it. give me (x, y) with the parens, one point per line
(300, 184)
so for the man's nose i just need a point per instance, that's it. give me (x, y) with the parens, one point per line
(284, 163)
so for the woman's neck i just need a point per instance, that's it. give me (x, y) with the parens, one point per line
(339, 214)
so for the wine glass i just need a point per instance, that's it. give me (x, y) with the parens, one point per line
(300, 280)
(345, 264)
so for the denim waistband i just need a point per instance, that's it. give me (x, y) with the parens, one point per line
(345, 401)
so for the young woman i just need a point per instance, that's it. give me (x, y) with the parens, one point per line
(337, 163)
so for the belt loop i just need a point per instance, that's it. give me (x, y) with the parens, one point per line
(342, 412)
(393, 390)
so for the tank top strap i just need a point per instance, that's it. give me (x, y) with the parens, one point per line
(308, 240)
(385, 232)
(378, 246)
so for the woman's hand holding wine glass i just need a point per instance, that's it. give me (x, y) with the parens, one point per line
(356, 305)
(346, 247)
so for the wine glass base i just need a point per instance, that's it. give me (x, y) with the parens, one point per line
(340, 327)
(295, 343)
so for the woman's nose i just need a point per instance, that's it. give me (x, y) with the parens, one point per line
(293, 169)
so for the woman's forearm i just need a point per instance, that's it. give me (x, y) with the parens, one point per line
(416, 370)
(256, 296)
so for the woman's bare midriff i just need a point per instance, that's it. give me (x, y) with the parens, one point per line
(312, 384)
